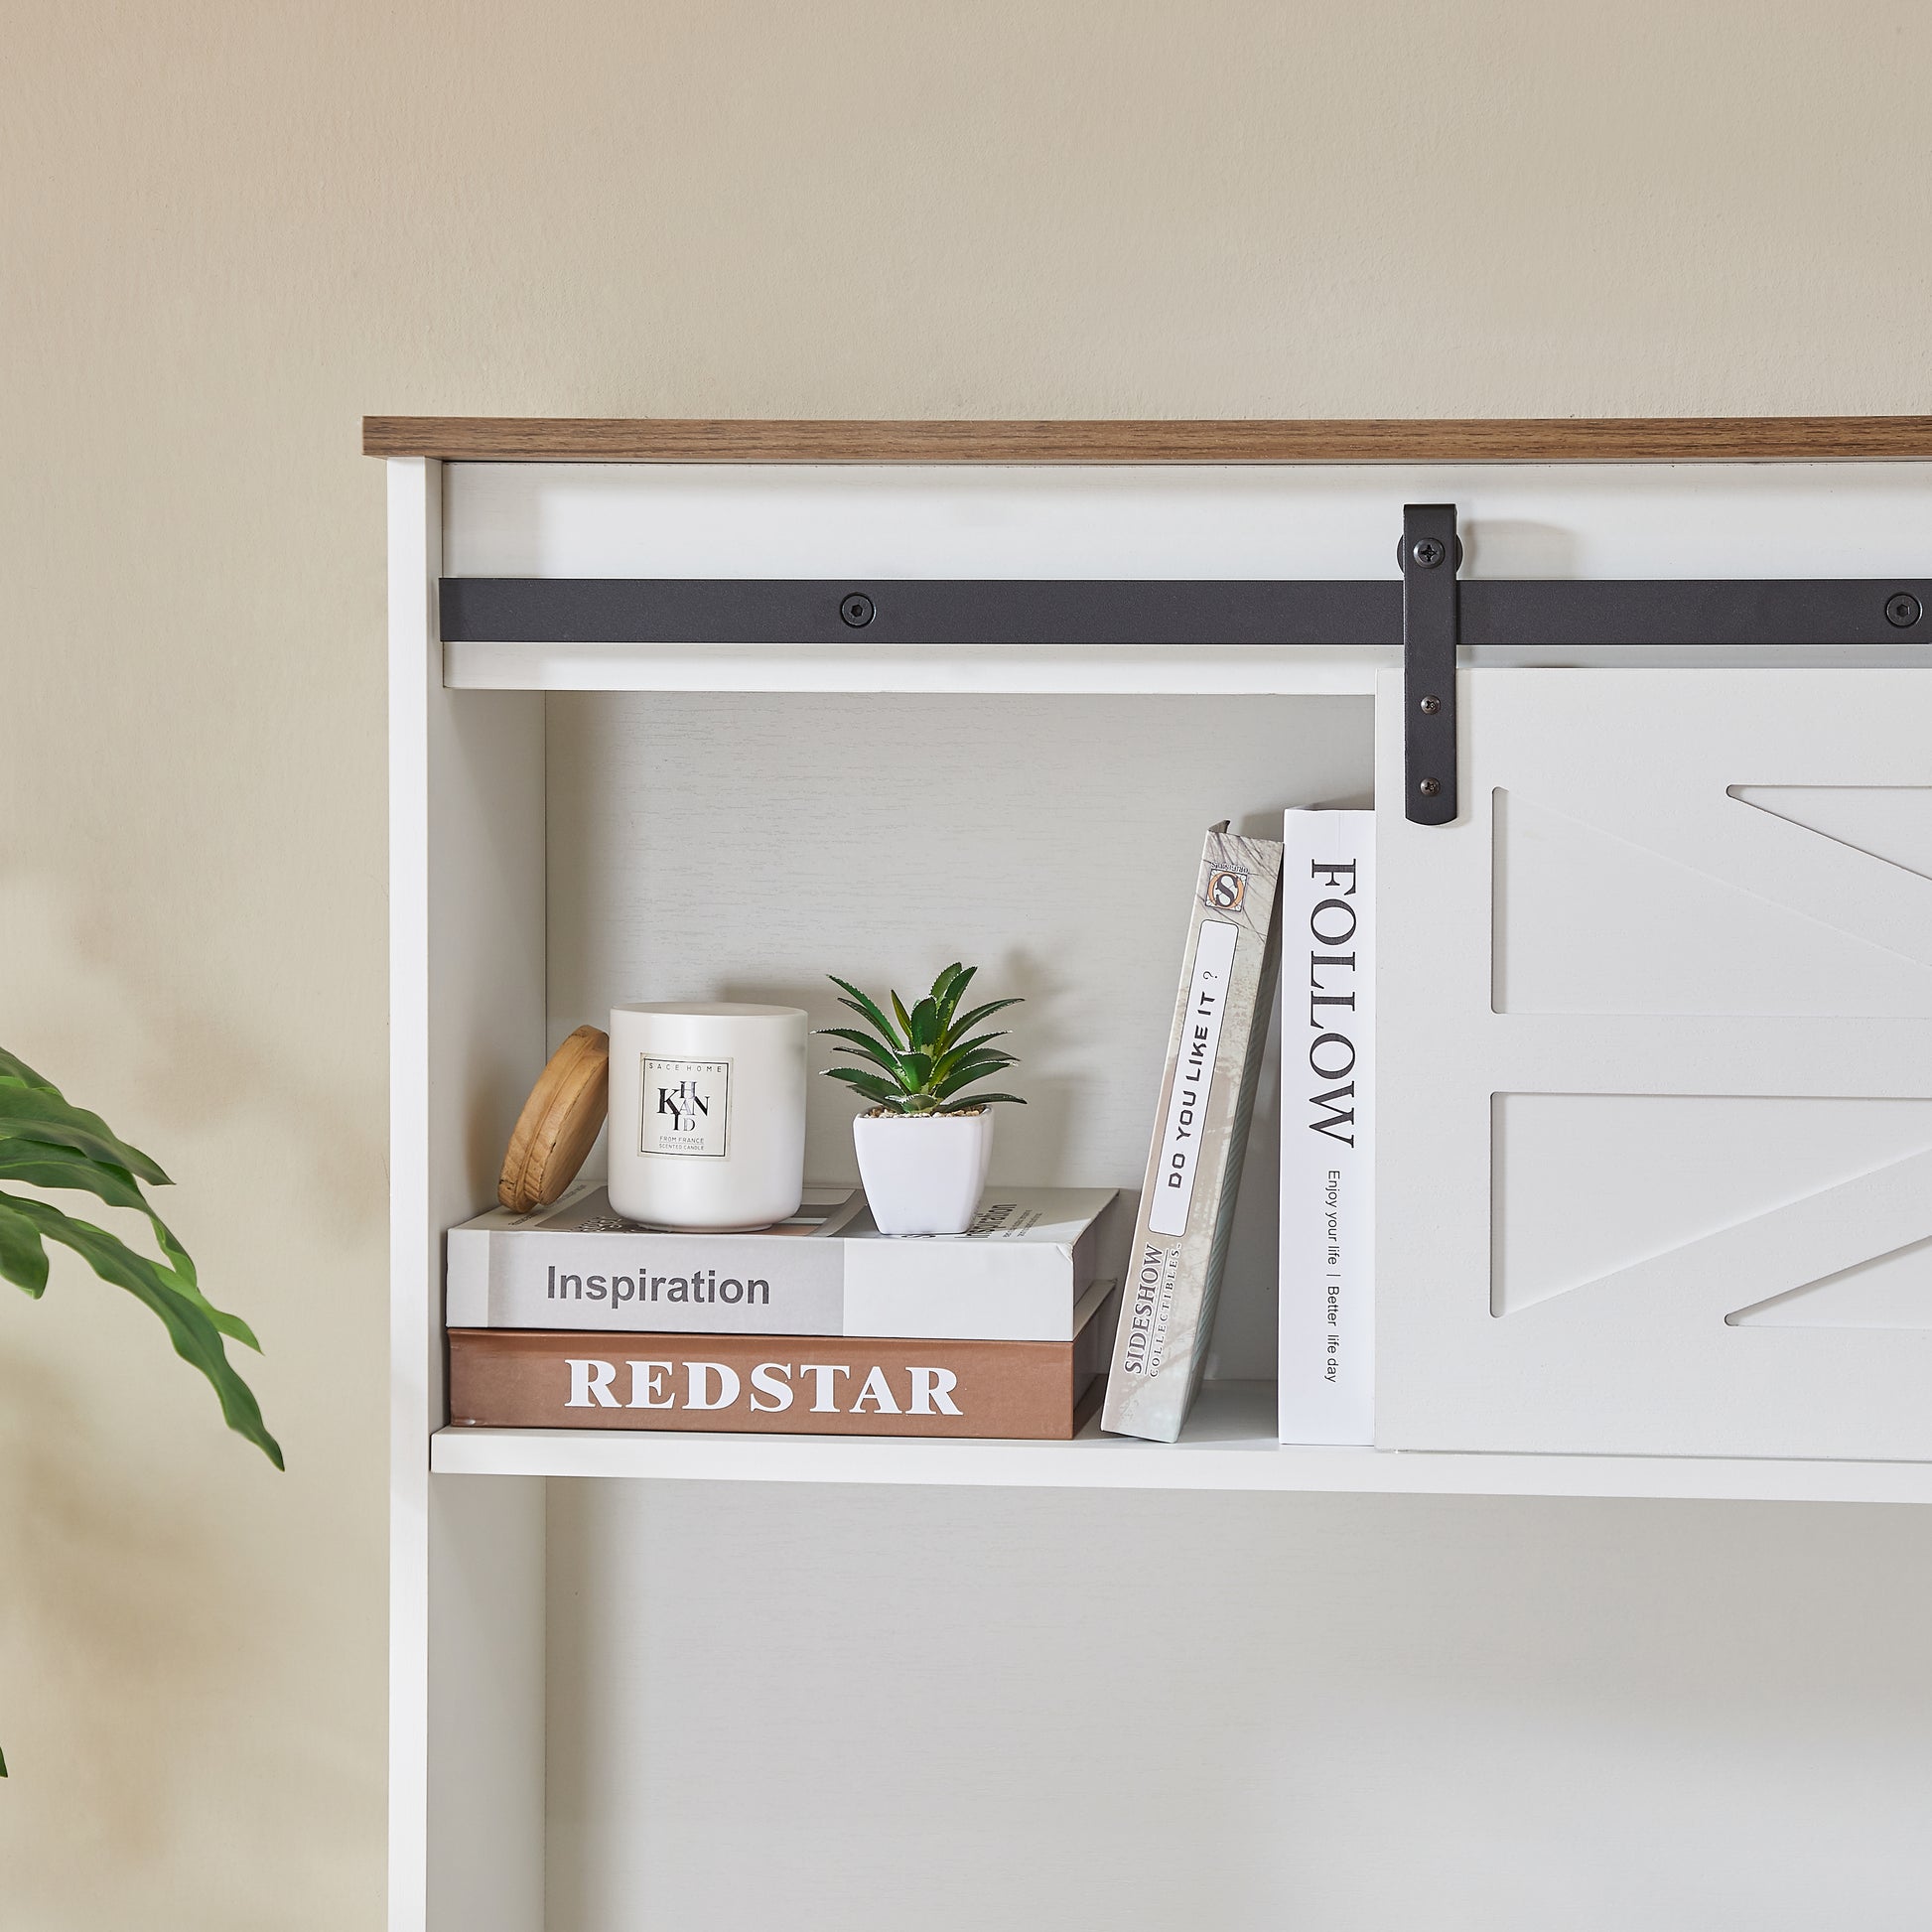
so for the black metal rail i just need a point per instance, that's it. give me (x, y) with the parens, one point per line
(1430, 610)
(1555, 615)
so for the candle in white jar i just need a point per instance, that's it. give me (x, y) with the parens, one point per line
(706, 1114)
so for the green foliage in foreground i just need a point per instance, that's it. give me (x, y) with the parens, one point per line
(47, 1141)
(923, 1064)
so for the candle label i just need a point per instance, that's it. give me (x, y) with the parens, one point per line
(686, 1108)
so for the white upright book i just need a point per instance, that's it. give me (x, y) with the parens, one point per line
(1328, 1257)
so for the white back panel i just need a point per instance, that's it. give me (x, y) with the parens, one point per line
(854, 1710)
(735, 847)
(1657, 1054)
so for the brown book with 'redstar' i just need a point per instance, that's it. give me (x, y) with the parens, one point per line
(794, 1385)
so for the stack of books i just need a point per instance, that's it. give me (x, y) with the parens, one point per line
(570, 1318)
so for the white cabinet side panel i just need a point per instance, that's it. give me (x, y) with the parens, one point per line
(1657, 1071)
(466, 778)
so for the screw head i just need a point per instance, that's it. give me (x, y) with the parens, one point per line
(1431, 705)
(1430, 787)
(1902, 610)
(856, 610)
(1428, 552)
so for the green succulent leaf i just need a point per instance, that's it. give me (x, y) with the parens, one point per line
(881, 1092)
(964, 1076)
(40, 1114)
(968, 1102)
(23, 1255)
(195, 1335)
(967, 1022)
(953, 1056)
(893, 1077)
(925, 1024)
(947, 988)
(858, 1042)
(887, 1035)
(867, 1009)
(904, 1018)
(975, 1066)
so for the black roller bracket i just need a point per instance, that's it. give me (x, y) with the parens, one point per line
(1432, 554)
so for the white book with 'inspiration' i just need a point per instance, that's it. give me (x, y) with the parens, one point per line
(1328, 1255)
(1016, 1274)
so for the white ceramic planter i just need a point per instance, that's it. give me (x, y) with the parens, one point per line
(923, 1173)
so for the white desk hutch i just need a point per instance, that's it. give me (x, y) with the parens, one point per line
(1651, 1019)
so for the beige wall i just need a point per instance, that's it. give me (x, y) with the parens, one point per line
(229, 230)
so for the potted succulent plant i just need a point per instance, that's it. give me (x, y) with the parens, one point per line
(924, 1145)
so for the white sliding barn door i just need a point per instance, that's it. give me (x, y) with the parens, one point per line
(1656, 1070)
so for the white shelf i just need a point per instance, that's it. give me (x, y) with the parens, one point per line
(1229, 1443)
(1243, 671)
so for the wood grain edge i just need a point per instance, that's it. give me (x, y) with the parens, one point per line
(1636, 439)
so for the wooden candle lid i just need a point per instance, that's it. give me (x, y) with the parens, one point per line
(559, 1123)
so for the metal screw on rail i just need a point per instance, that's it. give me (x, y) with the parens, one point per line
(1431, 625)
(856, 610)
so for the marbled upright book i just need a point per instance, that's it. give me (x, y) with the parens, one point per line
(1193, 1170)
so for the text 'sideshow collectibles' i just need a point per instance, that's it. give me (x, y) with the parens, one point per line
(1173, 1272)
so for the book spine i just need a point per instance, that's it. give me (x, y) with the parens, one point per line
(1193, 1168)
(764, 1383)
(1327, 1252)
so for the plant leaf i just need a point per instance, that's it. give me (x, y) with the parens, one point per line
(866, 1044)
(962, 1076)
(38, 1114)
(976, 1068)
(23, 1255)
(952, 1056)
(917, 1071)
(864, 1005)
(905, 1020)
(195, 1338)
(967, 1022)
(923, 1028)
(968, 1102)
(895, 1076)
(44, 1166)
(13, 1067)
(946, 990)
(885, 1033)
(869, 1084)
